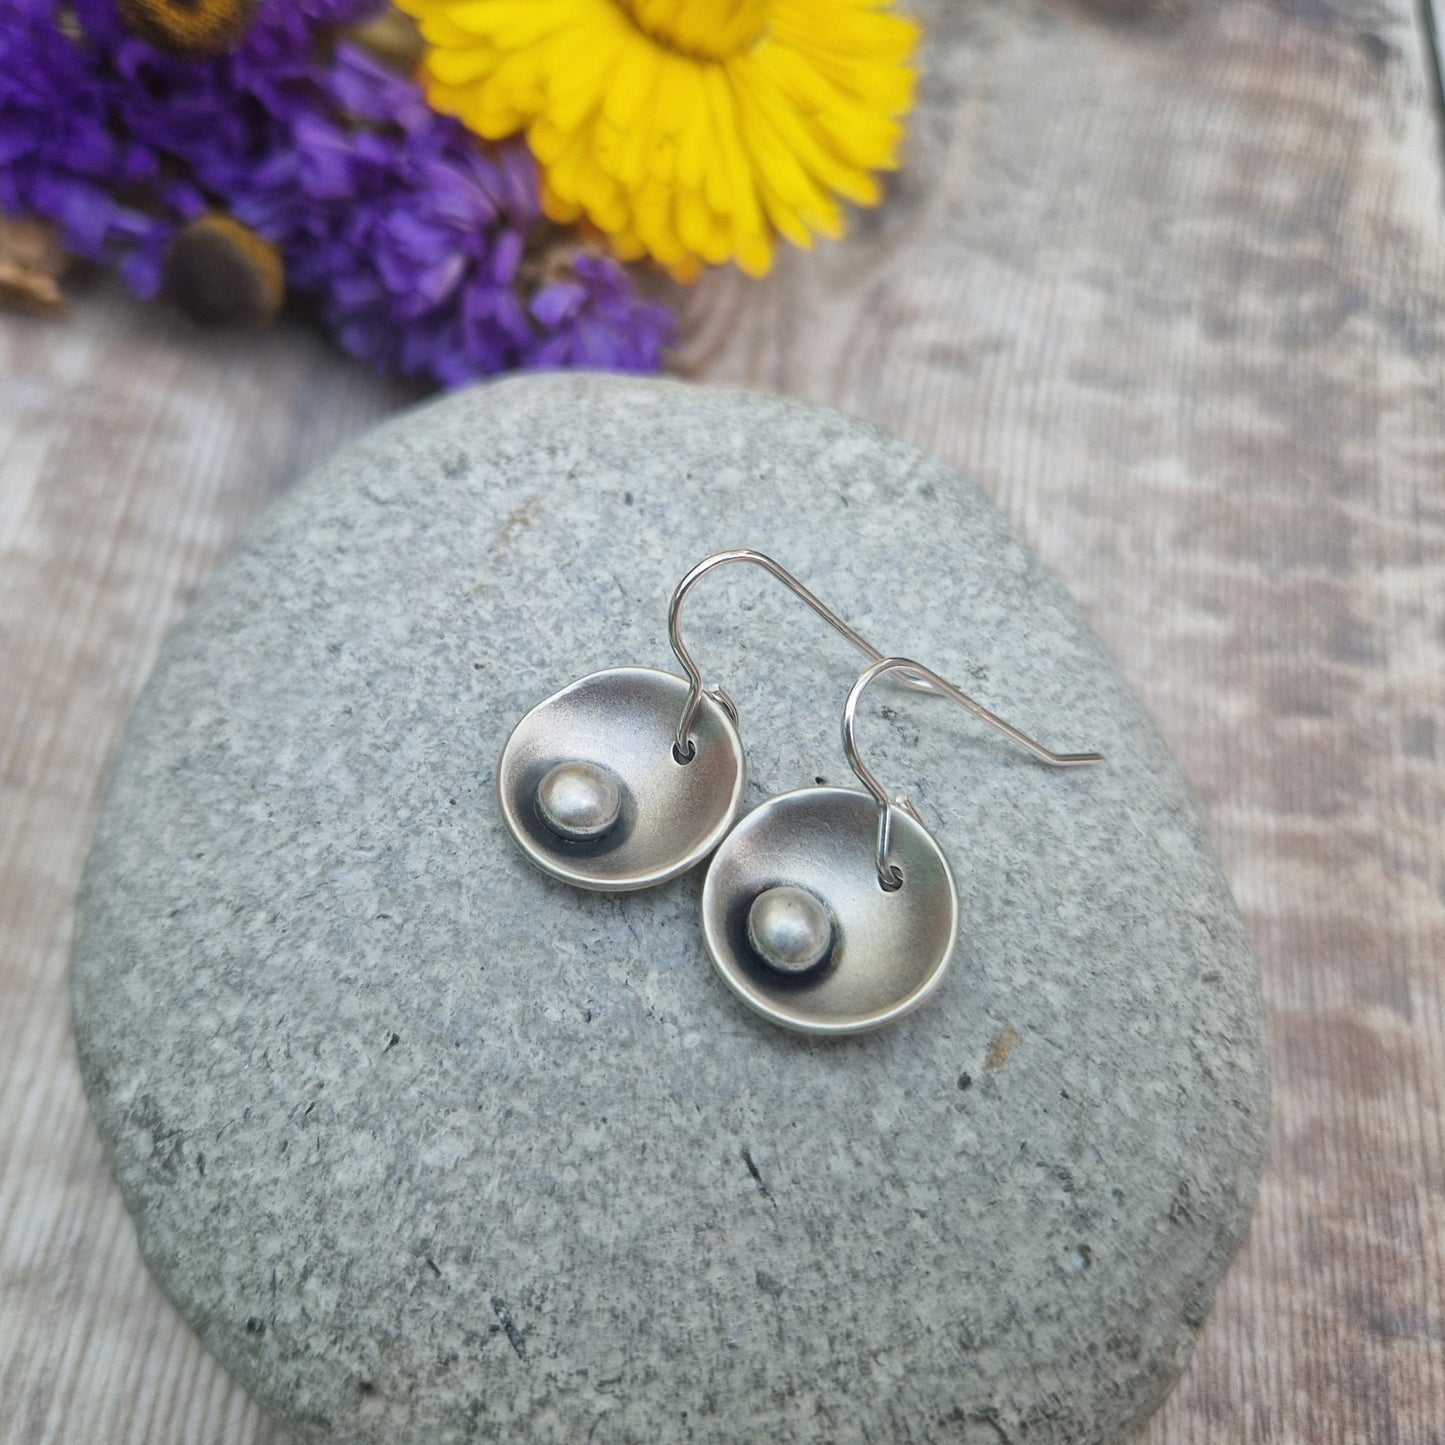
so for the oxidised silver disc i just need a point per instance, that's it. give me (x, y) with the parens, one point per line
(670, 816)
(889, 950)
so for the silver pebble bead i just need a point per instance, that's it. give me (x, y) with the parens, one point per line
(789, 929)
(579, 801)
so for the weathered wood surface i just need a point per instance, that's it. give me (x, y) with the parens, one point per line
(1168, 283)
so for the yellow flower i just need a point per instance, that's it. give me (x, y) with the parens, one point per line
(688, 130)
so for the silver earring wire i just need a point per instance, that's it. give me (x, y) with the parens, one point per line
(683, 748)
(888, 875)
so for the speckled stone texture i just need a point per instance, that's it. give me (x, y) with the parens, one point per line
(430, 1148)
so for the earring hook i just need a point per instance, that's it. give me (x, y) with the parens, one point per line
(888, 875)
(683, 748)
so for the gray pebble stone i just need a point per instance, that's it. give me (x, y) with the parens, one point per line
(431, 1148)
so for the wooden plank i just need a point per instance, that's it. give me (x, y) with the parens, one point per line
(1166, 280)
(132, 451)
(1169, 288)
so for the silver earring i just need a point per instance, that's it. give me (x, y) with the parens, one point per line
(631, 776)
(831, 911)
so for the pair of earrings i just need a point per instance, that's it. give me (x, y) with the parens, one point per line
(826, 910)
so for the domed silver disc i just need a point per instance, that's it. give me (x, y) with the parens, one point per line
(889, 950)
(618, 727)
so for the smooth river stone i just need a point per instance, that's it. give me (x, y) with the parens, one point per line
(430, 1148)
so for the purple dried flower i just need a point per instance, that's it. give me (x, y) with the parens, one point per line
(412, 238)
(595, 320)
(61, 155)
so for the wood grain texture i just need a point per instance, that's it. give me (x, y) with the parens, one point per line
(132, 451)
(1170, 290)
(1167, 281)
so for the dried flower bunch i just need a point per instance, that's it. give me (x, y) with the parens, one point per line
(451, 208)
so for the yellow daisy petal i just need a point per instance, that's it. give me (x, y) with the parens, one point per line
(691, 131)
